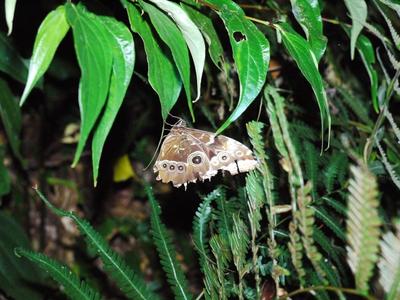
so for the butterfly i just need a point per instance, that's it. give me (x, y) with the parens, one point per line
(188, 154)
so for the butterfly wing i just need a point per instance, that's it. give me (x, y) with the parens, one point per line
(181, 160)
(225, 153)
(189, 154)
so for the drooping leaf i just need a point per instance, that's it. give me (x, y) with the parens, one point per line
(50, 34)
(250, 52)
(10, 114)
(191, 34)
(10, 11)
(308, 14)
(93, 48)
(10, 61)
(308, 65)
(172, 36)
(17, 276)
(123, 55)
(358, 13)
(367, 52)
(206, 27)
(167, 86)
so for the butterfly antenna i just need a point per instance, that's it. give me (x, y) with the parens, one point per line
(158, 147)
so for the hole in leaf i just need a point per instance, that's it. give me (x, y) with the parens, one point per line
(238, 36)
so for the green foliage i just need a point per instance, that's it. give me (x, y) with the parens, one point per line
(71, 284)
(167, 254)
(130, 283)
(362, 225)
(277, 229)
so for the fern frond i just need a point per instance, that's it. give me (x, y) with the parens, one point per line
(72, 286)
(355, 104)
(326, 245)
(392, 30)
(296, 253)
(223, 214)
(389, 265)
(335, 169)
(311, 157)
(395, 178)
(394, 6)
(304, 131)
(200, 222)
(305, 220)
(222, 256)
(131, 284)
(336, 205)
(393, 124)
(166, 251)
(330, 222)
(362, 225)
(239, 241)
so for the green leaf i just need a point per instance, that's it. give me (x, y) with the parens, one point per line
(5, 182)
(17, 276)
(93, 48)
(251, 53)
(191, 34)
(358, 13)
(206, 27)
(10, 114)
(10, 61)
(10, 10)
(172, 36)
(301, 52)
(167, 86)
(166, 251)
(308, 15)
(50, 34)
(130, 283)
(72, 286)
(123, 52)
(367, 52)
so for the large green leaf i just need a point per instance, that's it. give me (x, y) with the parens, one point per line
(50, 34)
(93, 48)
(10, 61)
(302, 53)
(173, 37)
(123, 51)
(10, 10)
(308, 14)
(367, 52)
(206, 27)
(10, 114)
(5, 183)
(17, 277)
(167, 86)
(191, 34)
(250, 52)
(358, 13)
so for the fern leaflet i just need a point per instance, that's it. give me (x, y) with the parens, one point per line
(73, 287)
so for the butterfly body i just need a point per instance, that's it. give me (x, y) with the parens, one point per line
(189, 154)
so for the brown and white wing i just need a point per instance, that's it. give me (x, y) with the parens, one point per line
(225, 153)
(182, 160)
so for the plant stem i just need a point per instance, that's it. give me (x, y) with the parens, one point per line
(326, 288)
(369, 144)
